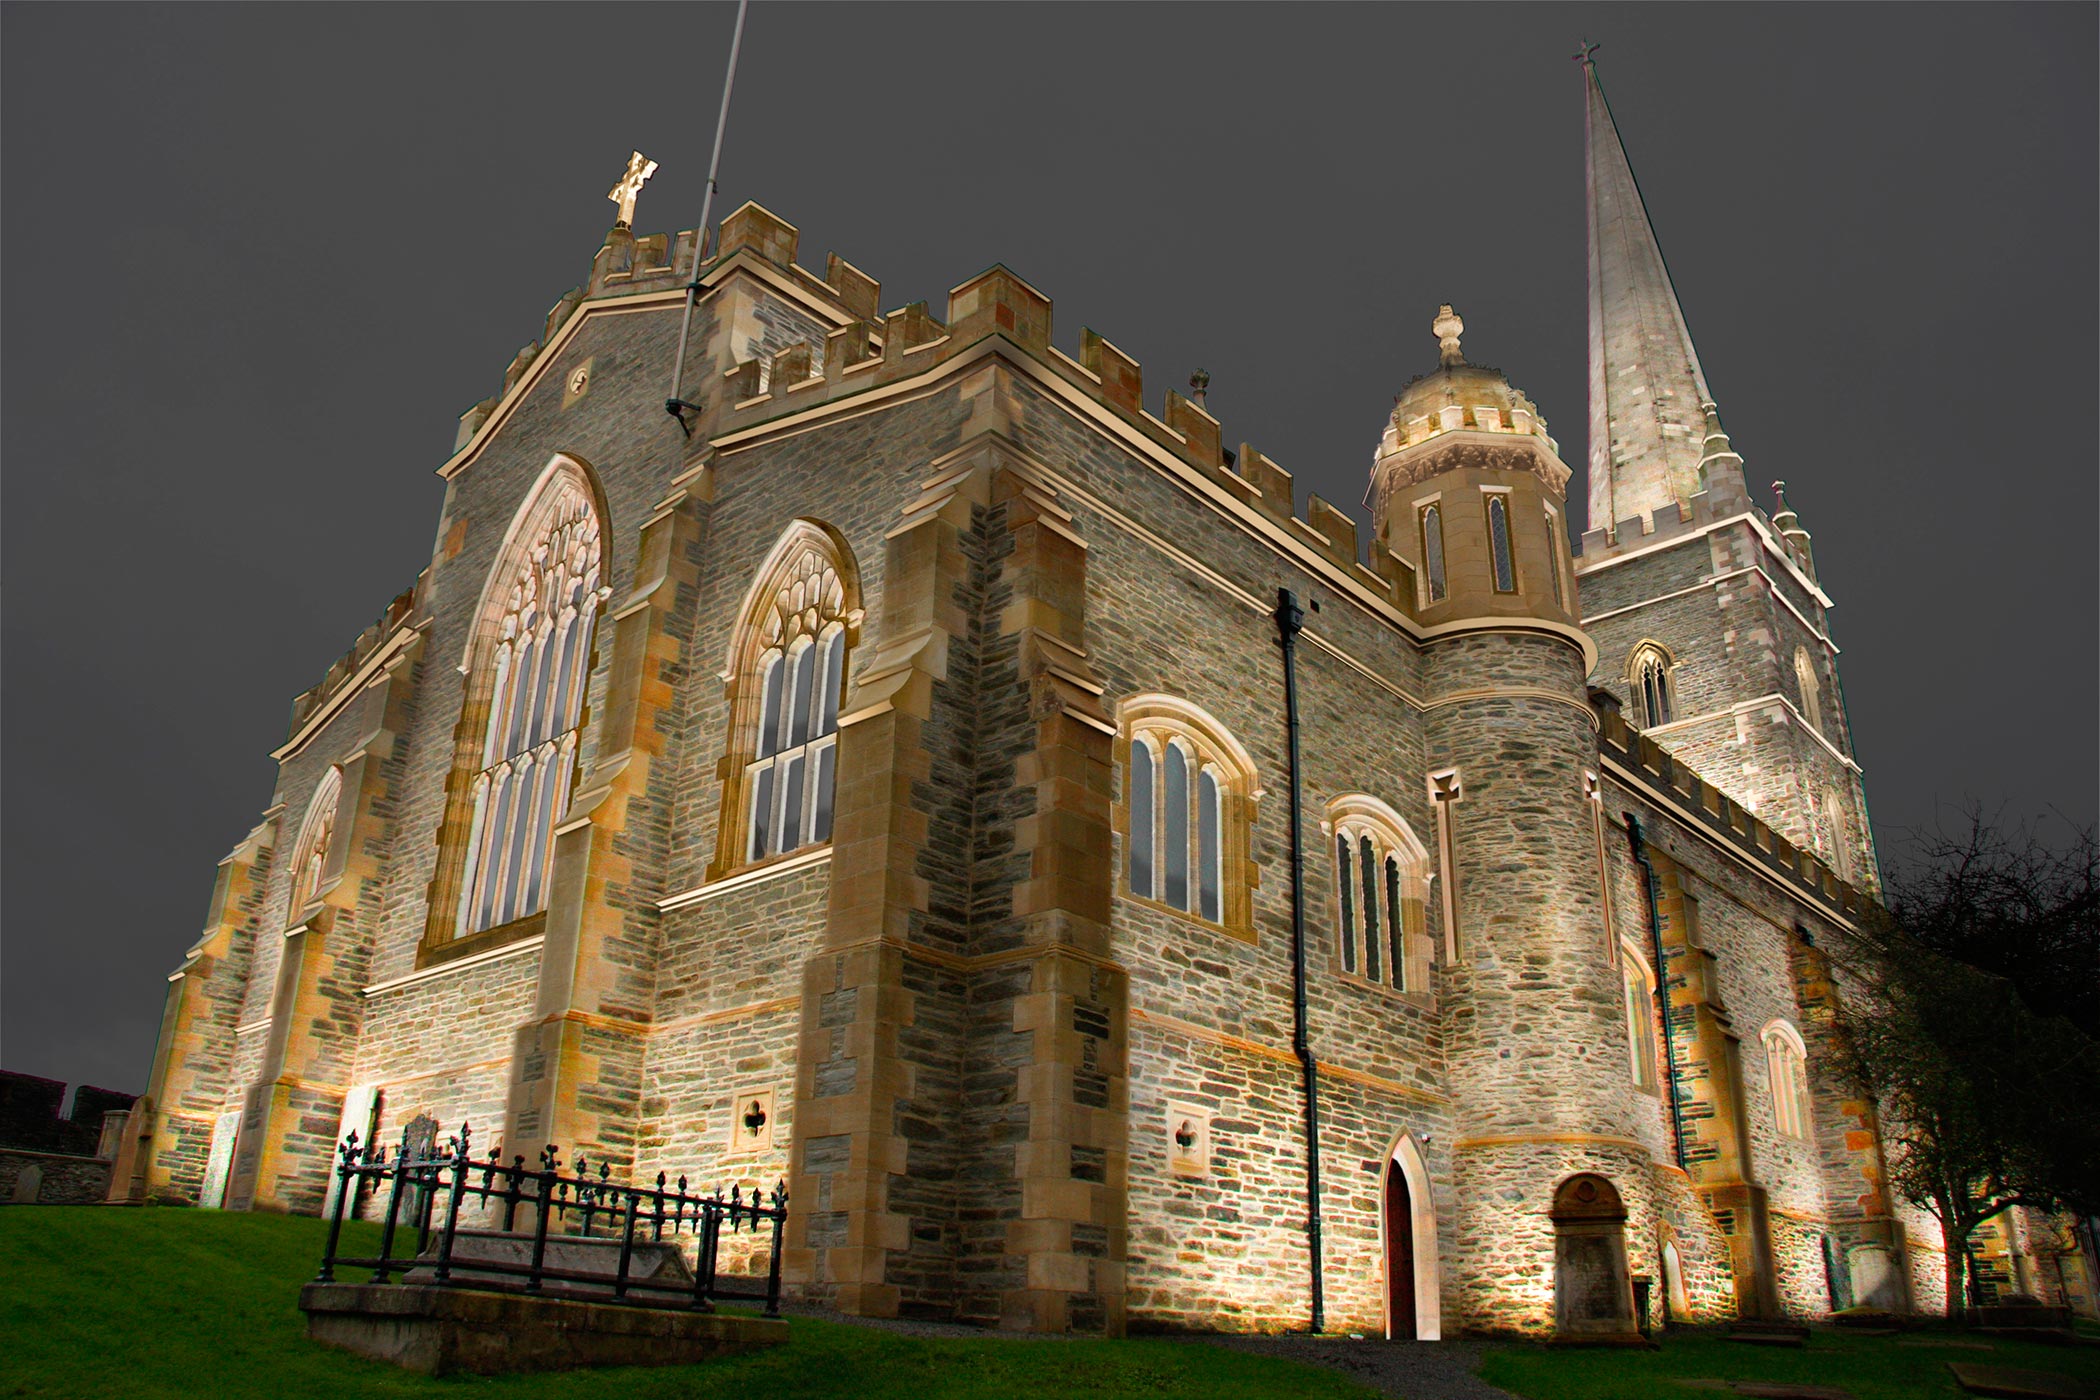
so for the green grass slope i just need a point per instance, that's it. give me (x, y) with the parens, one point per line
(152, 1303)
(1912, 1366)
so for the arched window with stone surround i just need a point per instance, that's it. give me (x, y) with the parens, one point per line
(1786, 1065)
(527, 664)
(1188, 801)
(787, 678)
(1433, 552)
(1381, 888)
(310, 852)
(1648, 676)
(1811, 688)
(1638, 985)
(1500, 554)
(1840, 850)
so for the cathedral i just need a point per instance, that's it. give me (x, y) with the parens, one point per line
(923, 769)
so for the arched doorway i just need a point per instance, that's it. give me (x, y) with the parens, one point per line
(1413, 1307)
(1399, 1258)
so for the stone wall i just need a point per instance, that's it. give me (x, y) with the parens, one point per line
(52, 1178)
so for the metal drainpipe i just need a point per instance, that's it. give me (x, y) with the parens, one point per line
(1289, 619)
(1662, 981)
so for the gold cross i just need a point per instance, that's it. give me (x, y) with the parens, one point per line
(639, 169)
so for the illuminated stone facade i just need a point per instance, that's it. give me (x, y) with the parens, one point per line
(1015, 1024)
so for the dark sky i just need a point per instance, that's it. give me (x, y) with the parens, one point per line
(257, 260)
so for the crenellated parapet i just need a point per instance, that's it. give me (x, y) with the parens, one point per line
(389, 623)
(1651, 768)
(871, 350)
(870, 353)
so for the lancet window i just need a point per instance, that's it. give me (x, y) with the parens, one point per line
(1553, 553)
(1433, 552)
(1498, 543)
(1648, 673)
(1840, 852)
(789, 669)
(1188, 796)
(1639, 989)
(316, 835)
(1380, 894)
(540, 613)
(1811, 689)
(1786, 1064)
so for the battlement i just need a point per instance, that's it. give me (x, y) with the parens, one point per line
(1665, 777)
(869, 352)
(396, 617)
(871, 349)
(1639, 532)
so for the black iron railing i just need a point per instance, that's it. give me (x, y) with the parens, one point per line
(426, 1186)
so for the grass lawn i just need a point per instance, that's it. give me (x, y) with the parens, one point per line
(1912, 1366)
(158, 1302)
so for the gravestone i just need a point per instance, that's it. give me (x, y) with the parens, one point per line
(1875, 1282)
(1592, 1287)
(28, 1185)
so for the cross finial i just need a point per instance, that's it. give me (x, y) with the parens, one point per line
(1586, 56)
(1447, 329)
(639, 169)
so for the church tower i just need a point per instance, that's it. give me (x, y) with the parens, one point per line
(1711, 627)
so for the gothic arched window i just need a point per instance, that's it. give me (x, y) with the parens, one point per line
(532, 652)
(1811, 690)
(1498, 543)
(1840, 851)
(1786, 1065)
(1381, 887)
(1639, 988)
(310, 852)
(787, 672)
(1188, 799)
(1648, 674)
(1433, 551)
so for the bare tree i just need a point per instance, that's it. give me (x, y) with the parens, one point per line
(1971, 1022)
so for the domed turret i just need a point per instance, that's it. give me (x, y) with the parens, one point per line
(1469, 489)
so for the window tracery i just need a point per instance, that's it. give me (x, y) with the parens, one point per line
(1381, 883)
(1188, 797)
(539, 618)
(788, 676)
(1648, 674)
(1786, 1063)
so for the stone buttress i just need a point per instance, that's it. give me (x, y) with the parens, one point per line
(961, 1086)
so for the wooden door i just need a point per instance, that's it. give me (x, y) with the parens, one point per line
(1399, 1256)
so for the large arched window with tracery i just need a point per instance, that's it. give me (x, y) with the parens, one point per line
(534, 649)
(1381, 886)
(1188, 800)
(1648, 676)
(316, 836)
(787, 673)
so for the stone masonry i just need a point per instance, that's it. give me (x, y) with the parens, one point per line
(1012, 1019)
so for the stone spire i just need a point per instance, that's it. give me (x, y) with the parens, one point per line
(1650, 412)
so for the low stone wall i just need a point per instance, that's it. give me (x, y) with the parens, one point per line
(442, 1330)
(51, 1178)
